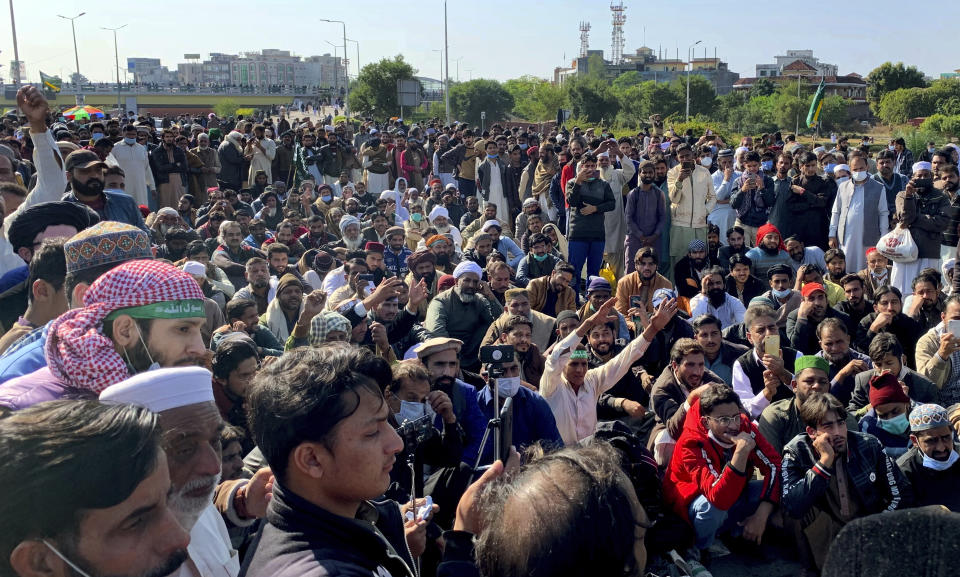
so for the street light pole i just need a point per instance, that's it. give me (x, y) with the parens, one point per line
(16, 51)
(689, 68)
(116, 62)
(458, 68)
(446, 77)
(76, 55)
(346, 93)
(441, 66)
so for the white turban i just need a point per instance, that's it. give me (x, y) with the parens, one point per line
(490, 224)
(465, 267)
(346, 220)
(163, 389)
(439, 211)
(922, 165)
(841, 167)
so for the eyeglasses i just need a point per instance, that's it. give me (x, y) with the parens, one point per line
(726, 421)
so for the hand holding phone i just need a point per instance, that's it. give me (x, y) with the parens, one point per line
(771, 345)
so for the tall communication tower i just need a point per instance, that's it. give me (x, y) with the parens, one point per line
(584, 39)
(619, 18)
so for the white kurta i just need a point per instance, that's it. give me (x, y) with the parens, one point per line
(496, 196)
(210, 549)
(263, 160)
(852, 241)
(137, 176)
(614, 221)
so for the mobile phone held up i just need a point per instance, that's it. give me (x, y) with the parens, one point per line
(688, 165)
(771, 345)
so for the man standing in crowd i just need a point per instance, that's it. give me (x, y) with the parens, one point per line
(692, 198)
(859, 216)
(132, 158)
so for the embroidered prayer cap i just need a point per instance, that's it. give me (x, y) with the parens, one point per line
(105, 243)
(928, 416)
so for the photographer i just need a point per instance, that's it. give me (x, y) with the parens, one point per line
(533, 421)
(409, 397)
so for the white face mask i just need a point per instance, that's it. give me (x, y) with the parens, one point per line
(508, 386)
(410, 411)
(931, 463)
(781, 294)
(842, 179)
(860, 175)
(706, 161)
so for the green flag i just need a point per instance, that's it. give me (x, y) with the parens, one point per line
(51, 82)
(814, 115)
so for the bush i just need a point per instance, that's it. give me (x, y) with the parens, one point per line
(226, 107)
(916, 140)
(246, 112)
(946, 126)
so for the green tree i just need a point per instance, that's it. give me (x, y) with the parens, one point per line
(703, 98)
(375, 90)
(226, 107)
(833, 113)
(627, 79)
(763, 87)
(903, 104)
(888, 77)
(535, 99)
(592, 98)
(469, 99)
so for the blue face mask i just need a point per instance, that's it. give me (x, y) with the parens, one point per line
(326, 198)
(493, 156)
(130, 141)
(766, 165)
(540, 257)
(897, 425)
(417, 217)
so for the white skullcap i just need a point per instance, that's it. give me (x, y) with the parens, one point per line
(467, 266)
(841, 167)
(329, 128)
(168, 211)
(163, 389)
(490, 224)
(922, 165)
(819, 149)
(604, 153)
(194, 267)
(374, 131)
(439, 211)
(741, 149)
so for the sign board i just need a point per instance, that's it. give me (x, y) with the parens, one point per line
(408, 92)
(483, 116)
(131, 64)
(191, 57)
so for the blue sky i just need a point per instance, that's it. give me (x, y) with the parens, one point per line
(494, 39)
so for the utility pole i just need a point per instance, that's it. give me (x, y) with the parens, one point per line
(690, 67)
(346, 79)
(76, 56)
(16, 51)
(116, 62)
(446, 77)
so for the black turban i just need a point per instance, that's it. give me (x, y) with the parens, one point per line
(35, 219)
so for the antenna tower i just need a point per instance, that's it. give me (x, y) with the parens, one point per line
(619, 18)
(584, 39)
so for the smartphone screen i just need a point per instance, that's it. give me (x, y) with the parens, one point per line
(771, 345)
(689, 165)
(954, 328)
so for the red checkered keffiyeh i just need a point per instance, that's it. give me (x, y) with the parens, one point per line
(77, 351)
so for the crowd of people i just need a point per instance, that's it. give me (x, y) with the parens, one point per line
(257, 347)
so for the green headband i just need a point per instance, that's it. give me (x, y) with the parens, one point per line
(580, 354)
(181, 309)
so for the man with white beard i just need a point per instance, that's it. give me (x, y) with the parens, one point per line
(191, 424)
(614, 222)
(350, 237)
(440, 219)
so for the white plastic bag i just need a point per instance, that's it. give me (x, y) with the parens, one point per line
(898, 246)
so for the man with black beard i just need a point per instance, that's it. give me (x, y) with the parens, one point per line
(463, 314)
(283, 161)
(85, 176)
(802, 323)
(627, 400)
(175, 243)
(845, 363)
(948, 181)
(306, 159)
(689, 270)
(657, 354)
(716, 301)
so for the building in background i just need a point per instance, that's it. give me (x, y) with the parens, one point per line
(804, 56)
(653, 66)
(269, 67)
(150, 71)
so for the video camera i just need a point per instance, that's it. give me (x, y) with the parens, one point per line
(415, 432)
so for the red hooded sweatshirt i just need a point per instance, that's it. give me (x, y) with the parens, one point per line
(699, 467)
(767, 229)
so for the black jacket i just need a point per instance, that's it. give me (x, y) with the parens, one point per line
(303, 540)
(165, 168)
(588, 227)
(803, 332)
(754, 287)
(906, 330)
